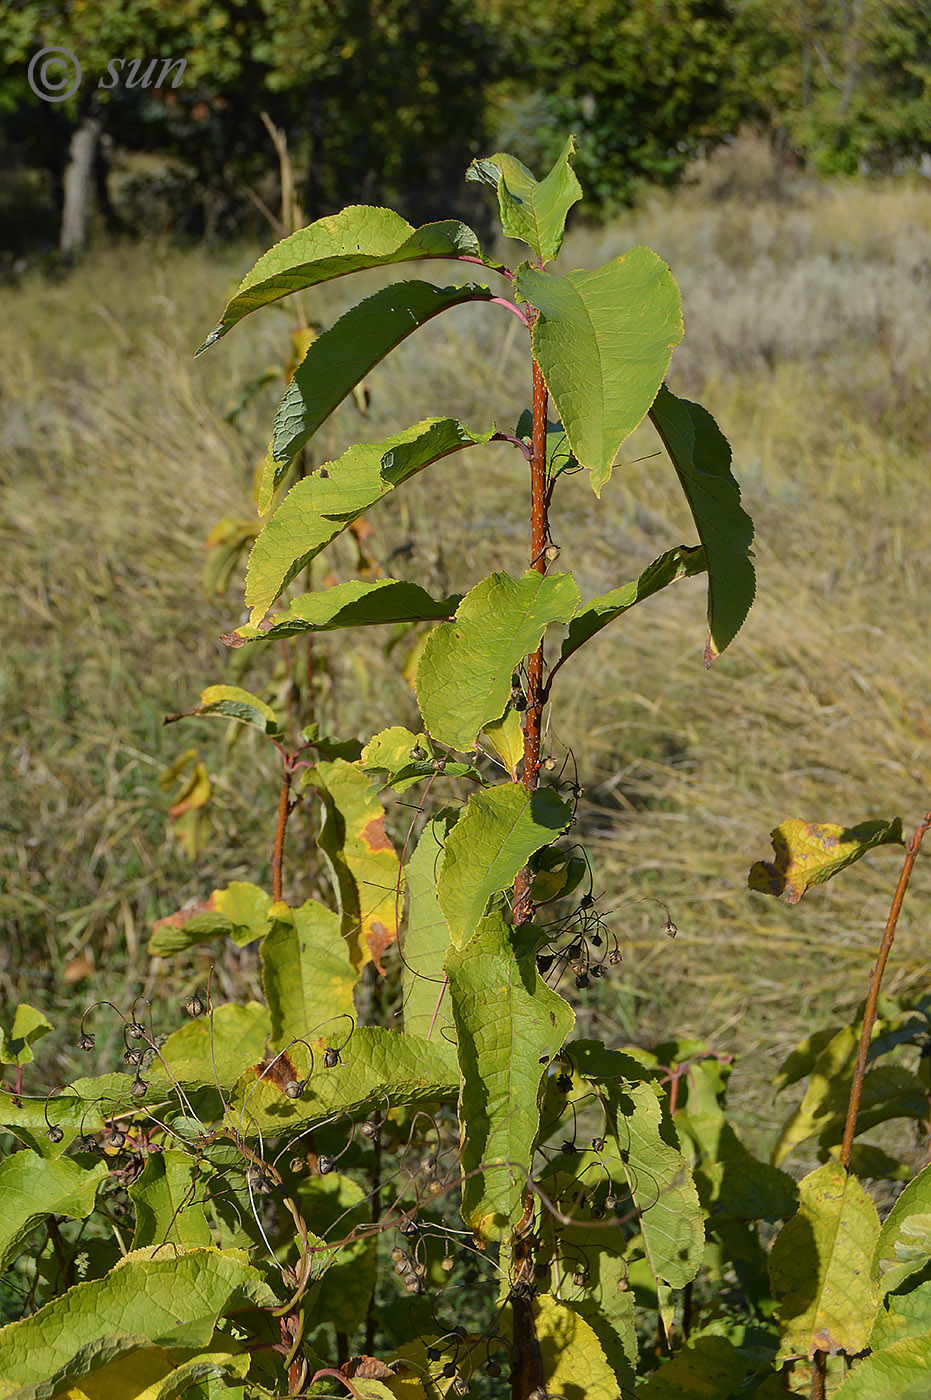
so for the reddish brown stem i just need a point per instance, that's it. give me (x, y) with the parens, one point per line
(530, 775)
(284, 808)
(819, 1371)
(876, 976)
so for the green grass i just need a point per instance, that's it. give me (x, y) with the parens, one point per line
(806, 336)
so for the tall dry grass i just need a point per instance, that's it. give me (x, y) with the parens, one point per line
(807, 335)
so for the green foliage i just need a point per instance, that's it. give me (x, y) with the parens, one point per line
(266, 1156)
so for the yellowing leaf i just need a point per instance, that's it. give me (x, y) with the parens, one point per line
(809, 853)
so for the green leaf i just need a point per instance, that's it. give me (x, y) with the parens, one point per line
(321, 506)
(168, 1197)
(332, 1206)
(499, 830)
(572, 1358)
(905, 1312)
(658, 1180)
(343, 355)
(352, 604)
(356, 238)
(509, 1025)
(900, 1371)
(683, 562)
(532, 210)
(215, 1050)
(232, 702)
(374, 1063)
(464, 674)
(821, 1266)
(239, 912)
(365, 866)
(506, 738)
(426, 1000)
(32, 1188)
(809, 853)
(29, 1025)
(604, 340)
(175, 1303)
(705, 1369)
(701, 456)
(389, 754)
(904, 1244)
(306, 971)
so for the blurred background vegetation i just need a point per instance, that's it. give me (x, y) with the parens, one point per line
(773, 155)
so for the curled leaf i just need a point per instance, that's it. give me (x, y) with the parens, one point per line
(809, 853)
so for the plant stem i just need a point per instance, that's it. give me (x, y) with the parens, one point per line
(539, 529)
(876, 975)
(819, 1371)
(283, 810)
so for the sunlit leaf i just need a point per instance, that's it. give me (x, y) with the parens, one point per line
(532, 210)
(306, 971)
(821, 1266)
(809, 853)
(356, 603)
(509, 1025)
(33, 1188)
(604, 340)
(499, 830)
(683, 562)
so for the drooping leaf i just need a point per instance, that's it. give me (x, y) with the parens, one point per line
(682, 562)
(344, 354)
(321, 506)
(505, 737)
(904, 1244)
(499, 830)
(509, 1025)
(364, 864)
(374, 1064)
(821, 1266)
(899, 1371)
(29, 1025)
(171, 1302)
(532, 210)
(556, 874)
(465, 669)
(232, 702)
(331, 1207)
(809, 853)
(356, 238)
(427, 1005)
(658, 1180)
(168, 1197)
(356, 603)
(604, 340)
(33, 1188)
(701, 456)
(163, 1373)
(306, 971)
(239, 912)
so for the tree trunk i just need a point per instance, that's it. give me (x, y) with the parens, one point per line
(79, 187)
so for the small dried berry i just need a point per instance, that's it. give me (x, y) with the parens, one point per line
(597, 970)
(583, 980)
(115, 1138)
(598, 1144)
(412, 1283)
(598, 1212)
(133, 1056)
(569, 1148)
(578, 1278)
(54, 1133)
(549, 764)
(564, 1082)
(325, 1165)
(139, 1088)
(294, 1088)
(409, 1226)
(447, 1263)
(85, 1143)
(493, 1369)
(434, 1354)
(449, 1369)
(331, 1057)
(370, 1128)
(87, 1042)
(135, 1030)
(194, 1006)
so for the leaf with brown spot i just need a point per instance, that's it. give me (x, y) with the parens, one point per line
(809, 853)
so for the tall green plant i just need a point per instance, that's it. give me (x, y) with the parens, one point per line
(279, 1199)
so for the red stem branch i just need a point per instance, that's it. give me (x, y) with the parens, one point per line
(284, 808)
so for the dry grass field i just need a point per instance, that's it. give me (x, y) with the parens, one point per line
(808, 322)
